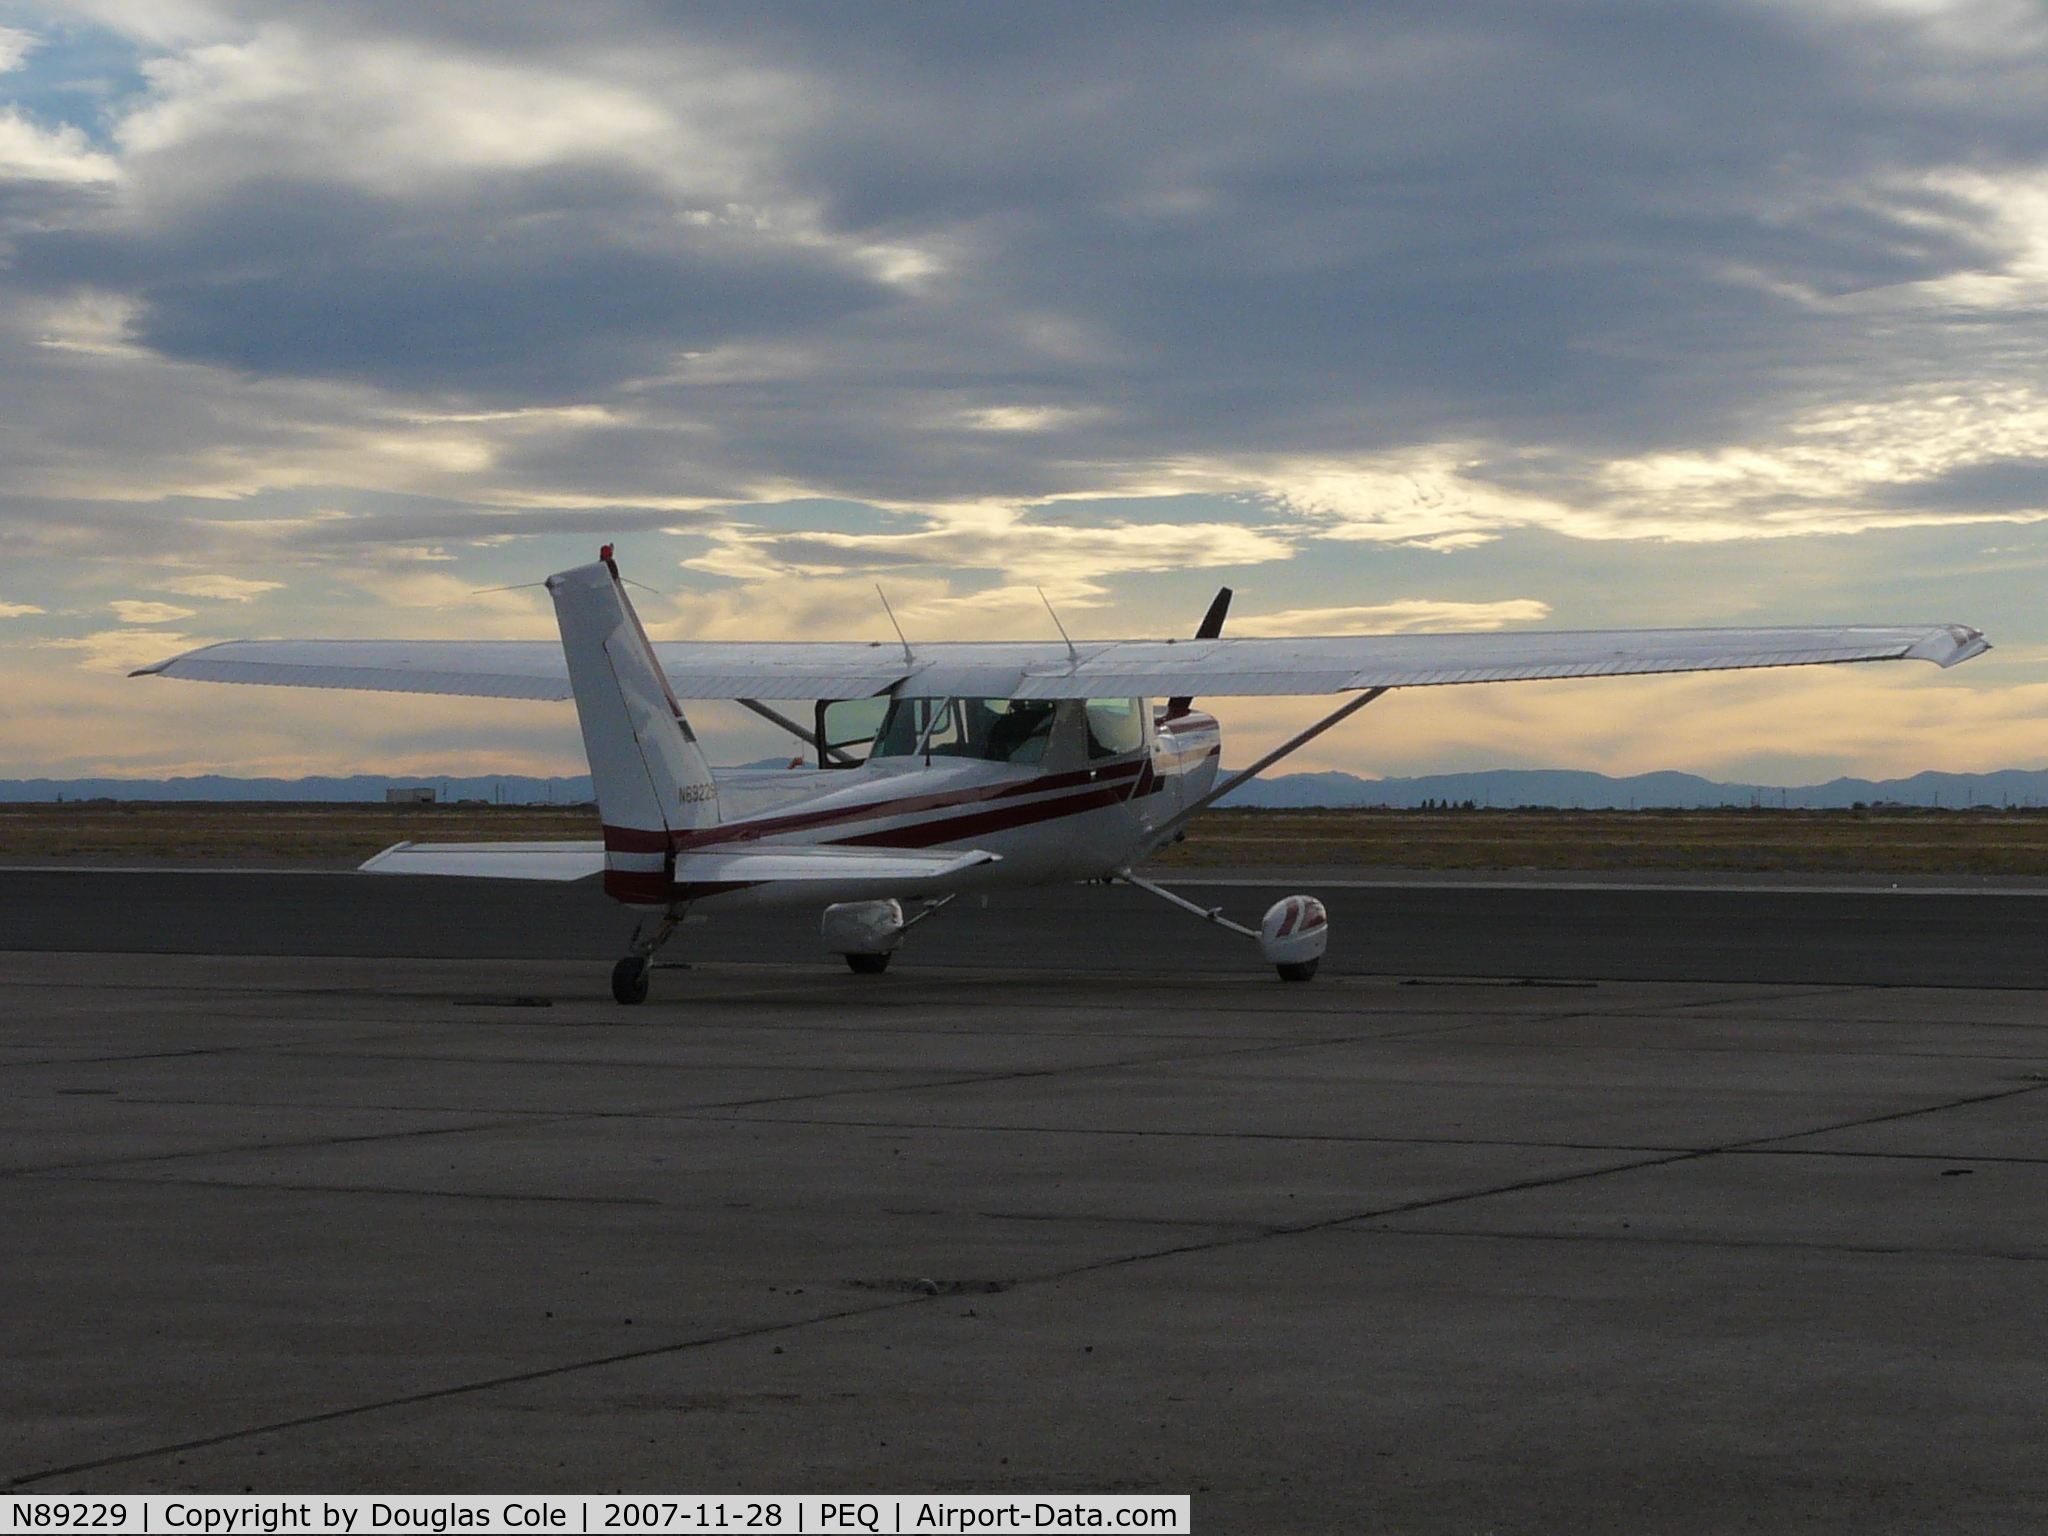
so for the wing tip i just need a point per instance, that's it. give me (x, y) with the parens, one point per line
(1950, 645)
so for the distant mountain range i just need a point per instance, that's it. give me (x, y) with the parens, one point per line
(505, 788)
(1503, 787)
(1568, 788)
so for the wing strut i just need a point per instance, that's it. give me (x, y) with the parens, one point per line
(799, 732)
(1336, 716)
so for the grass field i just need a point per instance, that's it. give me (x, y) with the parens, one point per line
(267, 832)
(1983, 842)
(1901, 841)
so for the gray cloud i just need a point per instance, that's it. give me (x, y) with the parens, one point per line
(1554, 232)
(2001, 485)
(559, 285)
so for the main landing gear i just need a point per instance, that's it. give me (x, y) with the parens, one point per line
(1292, 936)
(630, 976)
(867, 932)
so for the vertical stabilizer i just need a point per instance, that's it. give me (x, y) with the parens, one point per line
(649, 773)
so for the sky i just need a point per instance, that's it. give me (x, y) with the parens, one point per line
(350, 319)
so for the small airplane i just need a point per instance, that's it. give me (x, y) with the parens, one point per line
(942, 769)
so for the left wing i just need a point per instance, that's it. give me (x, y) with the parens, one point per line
(995, 669)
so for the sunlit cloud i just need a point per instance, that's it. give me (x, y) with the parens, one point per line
(1066, 560)
(379, 308)
(131, 611)
(227, 589)
(123, 650)
(1404, 616)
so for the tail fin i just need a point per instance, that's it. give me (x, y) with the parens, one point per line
(650, 775)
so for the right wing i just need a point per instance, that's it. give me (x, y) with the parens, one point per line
(998, 669)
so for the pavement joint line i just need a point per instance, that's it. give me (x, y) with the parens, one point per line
(1992, 1097)
(1620, 887)
(1682, 1240)
(305, 1145)
(1336, 1137)
(1095, 1267)
(531, 1119)
(462, 1389)
(1518, 1186)
(351, 1189)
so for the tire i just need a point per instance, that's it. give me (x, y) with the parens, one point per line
(868, 965)
(629, 980)
(1303, 970)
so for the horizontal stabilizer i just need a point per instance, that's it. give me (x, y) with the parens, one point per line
(491, 861)
(885, 868)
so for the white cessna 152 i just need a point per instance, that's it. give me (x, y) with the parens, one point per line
(941, 768)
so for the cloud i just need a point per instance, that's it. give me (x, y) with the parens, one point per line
(227, 589)
(128, 611)
(123, 650)
(1398, 617)
(15, 46)
(383, 305)
(1068, 560)
(30, 153)
(17, 610)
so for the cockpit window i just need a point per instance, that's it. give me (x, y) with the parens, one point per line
(1115, 726)
(992, 730)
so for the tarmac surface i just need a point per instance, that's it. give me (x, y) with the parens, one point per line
(1069, 1200)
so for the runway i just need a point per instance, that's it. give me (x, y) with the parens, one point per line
(1566, 930)
(1396, 1250)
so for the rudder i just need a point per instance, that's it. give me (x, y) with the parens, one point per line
(650, 776)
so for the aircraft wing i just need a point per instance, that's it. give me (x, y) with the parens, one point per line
(713, 669)
(750, 865)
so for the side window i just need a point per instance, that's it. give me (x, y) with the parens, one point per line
(1018, 730)
(914, 727)
(846, 730)
(1115, 726)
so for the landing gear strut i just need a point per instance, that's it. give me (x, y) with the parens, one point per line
(630, 975)
(1292, 936)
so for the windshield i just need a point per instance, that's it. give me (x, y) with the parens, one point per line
(993, 730)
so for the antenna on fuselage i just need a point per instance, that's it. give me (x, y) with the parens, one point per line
(1073, 655)
(908, 654)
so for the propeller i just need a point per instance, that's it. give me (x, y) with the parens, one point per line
(1211, 628)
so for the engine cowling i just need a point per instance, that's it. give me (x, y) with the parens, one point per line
(1293, 936)
(862, 927)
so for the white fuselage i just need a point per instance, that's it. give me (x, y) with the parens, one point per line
(1077, 814)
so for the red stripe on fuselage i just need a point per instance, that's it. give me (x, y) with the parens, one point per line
(872, 810)
(959, 828)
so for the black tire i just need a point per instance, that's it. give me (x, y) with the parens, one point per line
(629, 980)
(1303, 970)
(868, 965)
